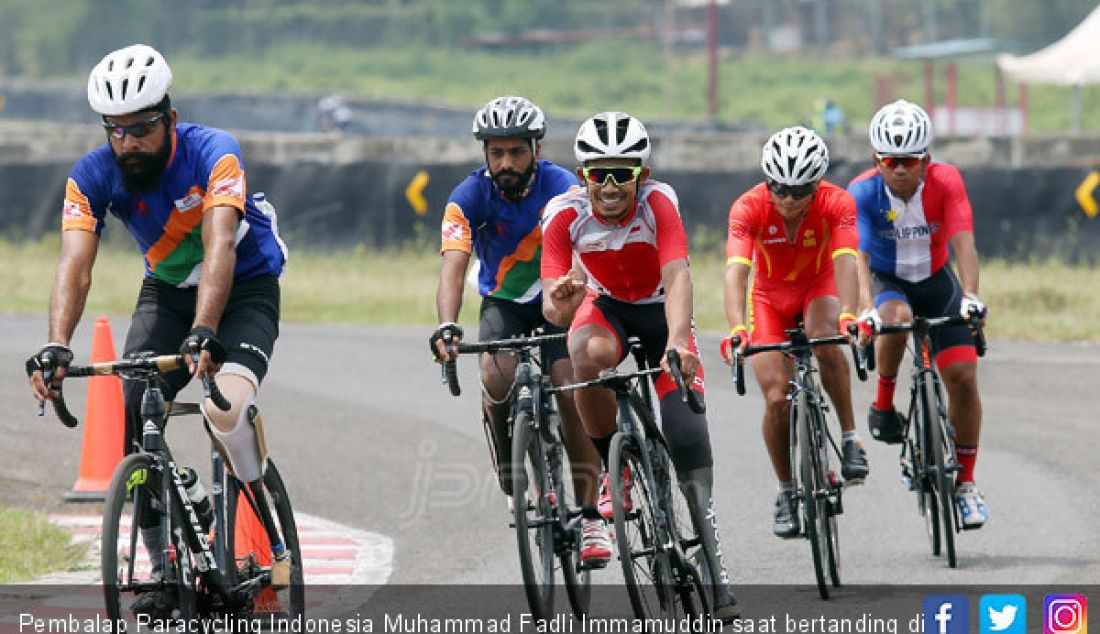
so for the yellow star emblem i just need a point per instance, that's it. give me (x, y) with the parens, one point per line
(892, 215)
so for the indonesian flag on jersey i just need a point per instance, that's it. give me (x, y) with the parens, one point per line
(624, 260)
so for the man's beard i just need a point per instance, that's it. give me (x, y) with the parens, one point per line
(517, 185)
(141, 171)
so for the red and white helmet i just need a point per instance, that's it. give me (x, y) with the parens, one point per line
(795, 156)
(129, 80)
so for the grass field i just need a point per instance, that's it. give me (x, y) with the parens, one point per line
(1042, 300)
(30, 546)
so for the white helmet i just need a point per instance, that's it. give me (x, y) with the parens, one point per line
(505, 117)
(612, 135)
(901, 128)
(128, 80)
(795, 156)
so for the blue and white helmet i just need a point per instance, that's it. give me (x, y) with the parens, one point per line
(901, 127)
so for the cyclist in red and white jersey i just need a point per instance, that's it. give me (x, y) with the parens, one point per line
(797, 232)
(615, 265)
(910, 210)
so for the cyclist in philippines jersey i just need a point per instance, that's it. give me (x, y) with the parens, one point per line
(797, 233)
(495, 213)
(212, 258)
(910, 210)
(615, 265)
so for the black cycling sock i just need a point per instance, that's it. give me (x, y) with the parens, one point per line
(603, 445)
(590, 513)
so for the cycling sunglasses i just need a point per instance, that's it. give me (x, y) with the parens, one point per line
(620, 175)
(908, 161)
(137, 130)
(794, 191)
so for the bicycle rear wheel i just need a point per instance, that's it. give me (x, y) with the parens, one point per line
(248, 548)
(809, 488)
(646, 568)
(534, 517)
(943, 477)
(126, 565)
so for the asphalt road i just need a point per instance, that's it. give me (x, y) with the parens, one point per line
(364, 434)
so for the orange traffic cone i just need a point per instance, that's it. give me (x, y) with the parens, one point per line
(250, 538)
(104, 424)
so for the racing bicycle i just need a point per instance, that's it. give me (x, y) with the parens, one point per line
(818, 488)
(208, 568)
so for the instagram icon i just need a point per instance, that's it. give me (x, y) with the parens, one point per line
(1065, 614)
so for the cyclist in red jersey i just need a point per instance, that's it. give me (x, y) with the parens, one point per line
(615, 265)
(798, 233)
(910, 211)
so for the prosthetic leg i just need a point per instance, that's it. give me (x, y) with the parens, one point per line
(696, 485)
(239, 436)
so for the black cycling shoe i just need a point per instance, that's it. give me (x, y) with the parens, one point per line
(853, 462)
(157, 604)
(725, 605)
(887, 426)
(786, 524)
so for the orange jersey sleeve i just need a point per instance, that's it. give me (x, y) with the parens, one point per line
(226, 185)
(455, 232)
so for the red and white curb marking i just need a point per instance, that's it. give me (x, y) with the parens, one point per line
(336, 559)
(332, 554)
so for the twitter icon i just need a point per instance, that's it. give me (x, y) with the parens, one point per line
(1002, 614)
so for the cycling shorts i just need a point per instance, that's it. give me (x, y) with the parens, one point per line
(777, 308)
(939, 295)
(505, 319)
(685, 431)
(164, 316)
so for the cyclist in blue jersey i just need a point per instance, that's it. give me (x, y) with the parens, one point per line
(212, 257)
(910, 209)
(494, 213)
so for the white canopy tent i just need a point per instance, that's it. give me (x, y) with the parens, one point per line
(1073, 61)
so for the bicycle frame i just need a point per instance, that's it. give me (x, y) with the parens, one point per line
(928, 459)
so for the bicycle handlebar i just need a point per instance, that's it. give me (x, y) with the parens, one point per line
(932, 323)
(687, 394)
(797, 343)
(450, 368)
(149, 365)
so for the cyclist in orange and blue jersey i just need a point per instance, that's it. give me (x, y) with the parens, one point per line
(910, 210)
(494, 213)
(797, 233)
(212, 261)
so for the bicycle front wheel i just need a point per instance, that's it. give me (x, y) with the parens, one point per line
(128, 569)
(646, 570)
(943, 477)
(248, 547)
(534, 517)
(810, 492)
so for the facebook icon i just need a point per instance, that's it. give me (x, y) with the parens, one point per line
(946, 614)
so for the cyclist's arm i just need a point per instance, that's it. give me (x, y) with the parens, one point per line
(448, 297)
(71, 285)
(966, 258)
(736, 287)
(863, 266)
(219, 245)
(845, 269)
(676, 278)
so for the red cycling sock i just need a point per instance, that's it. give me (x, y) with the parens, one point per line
(885, 399)
(968, 456)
